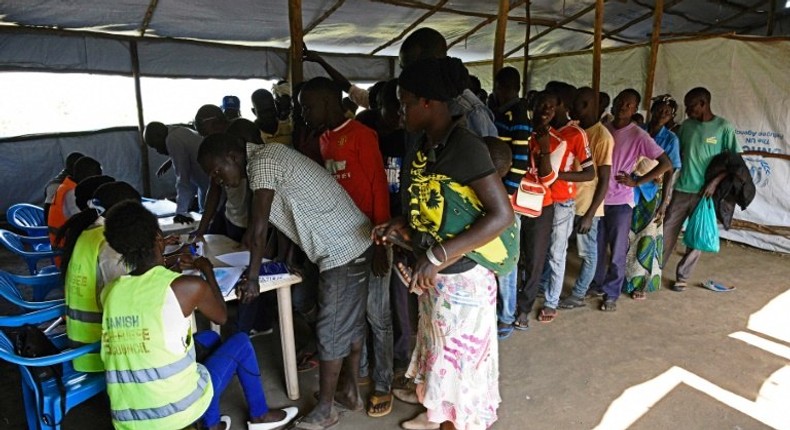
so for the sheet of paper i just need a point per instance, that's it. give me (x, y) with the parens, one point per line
(160, 208)
(240, 258)
(227, 277)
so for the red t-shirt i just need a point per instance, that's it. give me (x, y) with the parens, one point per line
(557, 150)
(577, 149)
(351, 154)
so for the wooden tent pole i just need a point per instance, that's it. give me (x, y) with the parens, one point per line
(771, 18)
(140, 119)
(297, 41)
(409, 28)
(413, 4)
(499, 38)
(149, 13)
(658, 13)
(555, 26)
(324, 16)
(525, 67)
(482, 24)
(596, 66)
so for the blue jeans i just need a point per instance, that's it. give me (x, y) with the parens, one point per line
(380, 324)
(613, 236)
(508, 292)
(554, 267)
(235, 356)
(587, 245)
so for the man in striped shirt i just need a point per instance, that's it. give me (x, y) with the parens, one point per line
(512, 122)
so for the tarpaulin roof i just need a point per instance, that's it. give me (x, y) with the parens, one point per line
(343, 26)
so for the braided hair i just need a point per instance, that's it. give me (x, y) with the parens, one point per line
(131, 230)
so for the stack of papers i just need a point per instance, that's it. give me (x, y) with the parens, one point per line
(270, 270)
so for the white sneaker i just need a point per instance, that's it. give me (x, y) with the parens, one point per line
(290, 414)
(420, 422)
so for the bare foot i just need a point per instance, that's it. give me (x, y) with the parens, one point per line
(348, 397)
(269, 417)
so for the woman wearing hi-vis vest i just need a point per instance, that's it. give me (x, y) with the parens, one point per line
(89, 263)
(154, 380)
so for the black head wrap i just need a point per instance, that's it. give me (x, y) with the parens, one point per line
(85, 189)
(439, 79)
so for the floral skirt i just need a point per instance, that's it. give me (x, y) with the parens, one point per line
(646, 251)
(455, 361)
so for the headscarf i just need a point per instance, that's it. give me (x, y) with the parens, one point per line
(664, 98)
(440, 79)
(282, 88)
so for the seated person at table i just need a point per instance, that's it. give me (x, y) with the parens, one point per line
(63, 205)
(154, 379)
(302, 200)
(89, 263)
(54, 183)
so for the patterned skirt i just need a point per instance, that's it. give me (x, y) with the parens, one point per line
(646, 250)
(456, 356)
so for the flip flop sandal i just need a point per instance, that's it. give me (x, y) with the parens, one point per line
(546, 315)
(376, 400)
(638, 295)
(572, 303)
(504, 332)
(522, 322)
(306, 362)
(299, 424)
(716, 287)
(609, 306)
(678, 287)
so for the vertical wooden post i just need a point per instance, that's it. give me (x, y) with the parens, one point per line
(771, 19)
(525, 68)
(499, 38)
(140, 119)
(297, 41)
(596, 66)
(658, 13)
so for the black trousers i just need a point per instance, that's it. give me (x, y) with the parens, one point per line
(535, 238)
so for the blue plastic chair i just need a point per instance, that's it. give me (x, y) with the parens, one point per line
(28, 218)
(79, 386)
(41, 284)
(31, 249)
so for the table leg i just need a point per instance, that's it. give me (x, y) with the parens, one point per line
(288, 344)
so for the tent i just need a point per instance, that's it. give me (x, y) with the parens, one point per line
(654, 46)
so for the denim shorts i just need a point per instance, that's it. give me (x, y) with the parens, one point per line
(342, 305)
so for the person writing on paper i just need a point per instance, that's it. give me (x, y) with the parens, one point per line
(304, 202)
(160, 376)
(455, 363)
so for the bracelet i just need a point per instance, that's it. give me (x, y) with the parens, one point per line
(432, 258)
(446, 256)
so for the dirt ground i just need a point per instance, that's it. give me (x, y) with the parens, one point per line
(566, 374)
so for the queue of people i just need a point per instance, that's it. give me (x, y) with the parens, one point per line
(464, 199)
